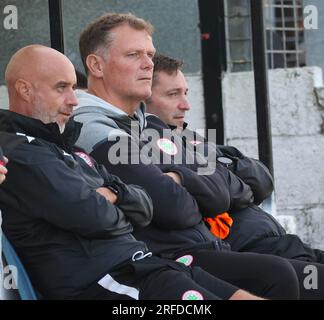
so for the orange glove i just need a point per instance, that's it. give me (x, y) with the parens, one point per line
(220, 225)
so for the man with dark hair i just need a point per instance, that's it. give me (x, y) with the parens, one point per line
(252, 229)
(119, 78)
(71, 221)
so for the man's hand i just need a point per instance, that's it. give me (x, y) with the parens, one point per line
(108, 194)
(244, 295)
(175, 176)
(3, 170)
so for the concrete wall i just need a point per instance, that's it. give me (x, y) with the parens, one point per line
(196, 116)
(297, 113)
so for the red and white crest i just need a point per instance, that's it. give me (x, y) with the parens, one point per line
(85, 157)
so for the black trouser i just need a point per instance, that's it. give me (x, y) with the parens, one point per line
(262, 274)
(158, 279)
(252, 231)
(289, 246)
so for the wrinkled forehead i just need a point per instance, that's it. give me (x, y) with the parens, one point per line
(58, 70)
(127, 38)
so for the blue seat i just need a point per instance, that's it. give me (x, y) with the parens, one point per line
(24, 286)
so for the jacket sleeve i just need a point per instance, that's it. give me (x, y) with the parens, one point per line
(132, 199)
(217, 192)
(173, 207)
(253, 172)
(48, 189)
(240, 193)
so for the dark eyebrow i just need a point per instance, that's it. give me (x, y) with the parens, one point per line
(174, 89)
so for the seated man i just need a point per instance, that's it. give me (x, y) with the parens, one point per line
(69, 220)
(253, 229)
(117, 52)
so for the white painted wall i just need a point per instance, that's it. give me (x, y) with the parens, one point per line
(297, 113)
(196, 116)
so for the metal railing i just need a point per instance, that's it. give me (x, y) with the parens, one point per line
(283, 20)
(285, 33)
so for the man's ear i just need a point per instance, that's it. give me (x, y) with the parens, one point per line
(24, 90)
(95, 65)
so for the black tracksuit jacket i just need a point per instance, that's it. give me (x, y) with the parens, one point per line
(67, 235)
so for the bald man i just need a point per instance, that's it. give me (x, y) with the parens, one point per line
(35, 97)
(69, 220)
